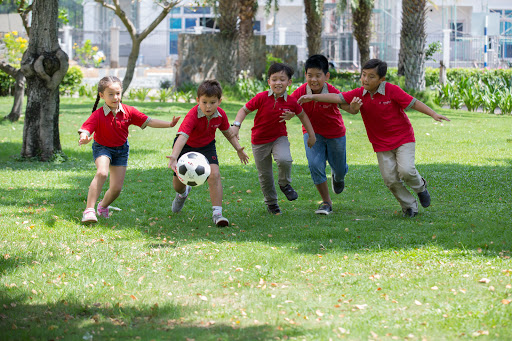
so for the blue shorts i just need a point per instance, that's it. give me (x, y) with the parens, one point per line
(326, 150)
(118, 155)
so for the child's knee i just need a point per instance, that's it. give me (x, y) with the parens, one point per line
(102, 175)
(408, 172)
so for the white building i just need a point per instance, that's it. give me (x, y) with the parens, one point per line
(458, 24)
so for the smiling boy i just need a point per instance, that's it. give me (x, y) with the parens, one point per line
(390, 131)
(269, 136)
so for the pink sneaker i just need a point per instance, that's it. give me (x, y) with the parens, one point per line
(89, 216)
(102, 211)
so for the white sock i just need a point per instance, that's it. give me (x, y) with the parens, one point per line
(217, 210)
(185, 194)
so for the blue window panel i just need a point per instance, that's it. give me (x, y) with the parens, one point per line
(175, 24)
(173, 43)
(176, 10)
(190, 22)
(197, 10)
(257, 26)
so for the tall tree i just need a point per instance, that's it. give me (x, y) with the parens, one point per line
(314, 10)
(44, 64)
(361, 15)
(247, 11)
(137, 37)
(413, 40)
(228, 17)
(13, 70)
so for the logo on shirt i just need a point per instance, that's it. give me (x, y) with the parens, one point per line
(385, 103)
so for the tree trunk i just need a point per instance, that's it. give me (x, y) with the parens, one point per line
(44, 65)
(361, 16)
(132, 62)
(246, 41)
(314, 9)
(19, 91)
(227, 47)
(412, 43)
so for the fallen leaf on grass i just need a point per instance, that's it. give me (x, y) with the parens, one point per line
(361, 306)
(484, 280)
(417, 302)
(204, 298)
(504, 301)
(319, 313)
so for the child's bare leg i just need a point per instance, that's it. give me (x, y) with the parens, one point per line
(117, 174)
(215, 186)
(323, 189)
(102, 167)
(178, 186)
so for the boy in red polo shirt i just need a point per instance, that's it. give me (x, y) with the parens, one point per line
(110, 148)
(389, 130)
(197, 133)
(329, 129)
(269, 137)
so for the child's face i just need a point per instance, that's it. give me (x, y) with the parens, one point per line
(370, 79)
(278, 82)
(316, 79)
(208, 104)
(112, 95)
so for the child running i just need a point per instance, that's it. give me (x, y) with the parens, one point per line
(329, 129)
(390, 131)
(197, 133)
(110, 148)
(269, 137)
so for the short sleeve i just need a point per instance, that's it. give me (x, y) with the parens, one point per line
(137, 118)
(189, 122)
(254, 103)
(224, 125)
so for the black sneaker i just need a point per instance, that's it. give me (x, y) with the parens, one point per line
(337, 186)
(324, 208)
(274, 209)
(409, 213)
(424, 196)
(289, 192)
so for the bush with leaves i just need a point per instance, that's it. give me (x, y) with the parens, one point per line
(72, 81)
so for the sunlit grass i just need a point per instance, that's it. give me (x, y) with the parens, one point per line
(363, 272)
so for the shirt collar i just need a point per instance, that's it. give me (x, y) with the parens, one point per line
(107, 110)
(325, 90)
(200, 113)
(381, 89)
(285, 95)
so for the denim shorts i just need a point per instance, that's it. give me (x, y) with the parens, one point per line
(118, 155)
(326, 150)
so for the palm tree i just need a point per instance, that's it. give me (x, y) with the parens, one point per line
(227, 19)
(247, 11)
(314, 9)
(361, 15)
(411, 59)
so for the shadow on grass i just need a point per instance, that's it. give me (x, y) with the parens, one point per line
(71, 320)
(470, 208)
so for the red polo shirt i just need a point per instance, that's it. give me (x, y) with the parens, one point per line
(267, 127)
(387, 125)
(200, 129)
(325, 118)
(112, 130)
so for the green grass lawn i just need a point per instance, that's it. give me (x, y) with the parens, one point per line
(363, 272)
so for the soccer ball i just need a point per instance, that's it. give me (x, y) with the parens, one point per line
(193, 169)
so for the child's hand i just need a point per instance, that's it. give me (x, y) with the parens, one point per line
(84, 139)
(356, 104)
(287, 114)
(174, 121)
(439, 118)
(311, 140)
(244, 158)
(172, 162)
(305, 99)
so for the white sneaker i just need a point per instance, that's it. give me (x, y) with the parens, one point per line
(220, 221)
(179, 202)
(89, 216)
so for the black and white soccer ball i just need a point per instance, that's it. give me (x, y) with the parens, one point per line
(193, 169)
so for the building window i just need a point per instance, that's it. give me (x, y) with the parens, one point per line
(190, 22)
(175, 24)
(457, 30)
(173, 43)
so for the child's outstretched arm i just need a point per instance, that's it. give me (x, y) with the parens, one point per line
(309, 128)
(353, 107)
(240, 116)
(84, 138)
(232, 138)
(176, 150)
(425, 109)
(156, 123)
(327, 98)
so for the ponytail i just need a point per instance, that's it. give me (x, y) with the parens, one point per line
(96, 103)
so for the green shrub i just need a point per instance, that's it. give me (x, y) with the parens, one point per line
(72, 81)
(6, 84)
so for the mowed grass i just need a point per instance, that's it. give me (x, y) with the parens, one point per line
(363, 272)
